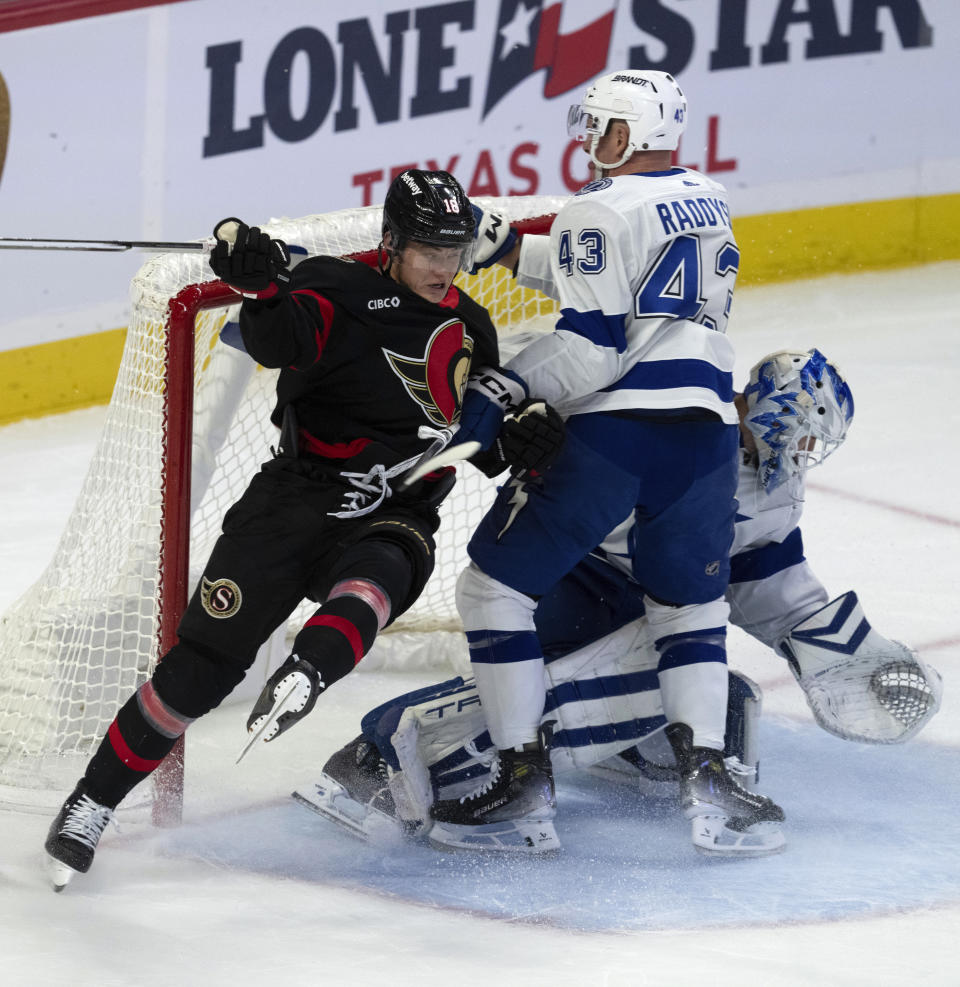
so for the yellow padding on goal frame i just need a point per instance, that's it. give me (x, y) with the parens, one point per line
(783, 246)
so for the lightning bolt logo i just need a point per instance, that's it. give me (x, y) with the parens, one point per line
(517, 502)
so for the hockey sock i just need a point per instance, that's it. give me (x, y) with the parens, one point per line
(343, 630)
(140, 737)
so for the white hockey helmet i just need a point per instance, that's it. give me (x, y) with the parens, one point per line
(799, 408)
(651, 103)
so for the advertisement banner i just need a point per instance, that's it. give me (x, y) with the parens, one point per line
(153, 124)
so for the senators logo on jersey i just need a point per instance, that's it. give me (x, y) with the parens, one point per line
(221, 598)
(437, 381)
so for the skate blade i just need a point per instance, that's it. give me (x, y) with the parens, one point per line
(58, 873)
(329, 799)
(714, 838)
(278, 708)
(509, 836)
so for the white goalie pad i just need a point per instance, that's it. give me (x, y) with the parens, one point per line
(605, 702)
(860, 685)
(603, 699)
(411, 787)
(650, 766)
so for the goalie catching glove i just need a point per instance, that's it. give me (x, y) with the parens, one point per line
(248, 260)
(494, 237)
(860, 685)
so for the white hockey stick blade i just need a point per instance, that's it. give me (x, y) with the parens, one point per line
(105, 246)
(60, 874)
(452, 454)
(509, 836)
(328, 798)
(278, 708)
(714, 838)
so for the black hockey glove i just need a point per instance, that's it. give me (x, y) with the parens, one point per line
(248, 260)
(531, 438)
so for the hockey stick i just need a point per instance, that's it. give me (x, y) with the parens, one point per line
(429, 461)
(112, 246)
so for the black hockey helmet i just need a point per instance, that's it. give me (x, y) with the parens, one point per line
(429, 207)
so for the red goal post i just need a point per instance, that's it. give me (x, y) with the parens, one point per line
(187, 426)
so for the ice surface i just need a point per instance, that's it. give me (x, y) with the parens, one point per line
(254, 889)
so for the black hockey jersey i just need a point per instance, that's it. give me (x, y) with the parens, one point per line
(366, 360)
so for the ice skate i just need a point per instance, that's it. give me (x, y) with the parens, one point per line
(512, 812)
(73, 837)
(290, 693)
(353, 793)
(726, 819)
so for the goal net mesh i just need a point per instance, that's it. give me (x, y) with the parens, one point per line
(85, 635)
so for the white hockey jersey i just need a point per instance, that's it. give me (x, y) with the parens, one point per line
(643, 267)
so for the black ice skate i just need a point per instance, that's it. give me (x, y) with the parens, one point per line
(361, 770)
(727, 820)
(290, 693)
(74, 835)
(353, 792)
(511, 812)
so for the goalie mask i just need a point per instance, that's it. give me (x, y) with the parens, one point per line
(650, 103)
(429, 207)
(799, 408)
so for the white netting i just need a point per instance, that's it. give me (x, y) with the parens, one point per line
(75, 646)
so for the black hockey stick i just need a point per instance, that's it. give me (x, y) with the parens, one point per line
(113, 246)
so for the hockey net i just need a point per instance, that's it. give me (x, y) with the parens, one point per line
(89, 631)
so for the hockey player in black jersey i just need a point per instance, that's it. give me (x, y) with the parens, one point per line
(375, 366)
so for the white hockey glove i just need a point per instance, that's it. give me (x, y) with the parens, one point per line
(494, 238)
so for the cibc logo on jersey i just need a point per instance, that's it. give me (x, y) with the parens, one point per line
(436, 381)
(221, 598)
(375, 304)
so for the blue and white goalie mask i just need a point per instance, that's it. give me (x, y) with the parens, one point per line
(799, 408)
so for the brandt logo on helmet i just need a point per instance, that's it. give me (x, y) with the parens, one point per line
(221, 598)
(712, 568)
(635, 79)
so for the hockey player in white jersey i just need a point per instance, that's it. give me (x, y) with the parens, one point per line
(643, 262)
(601, 663)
